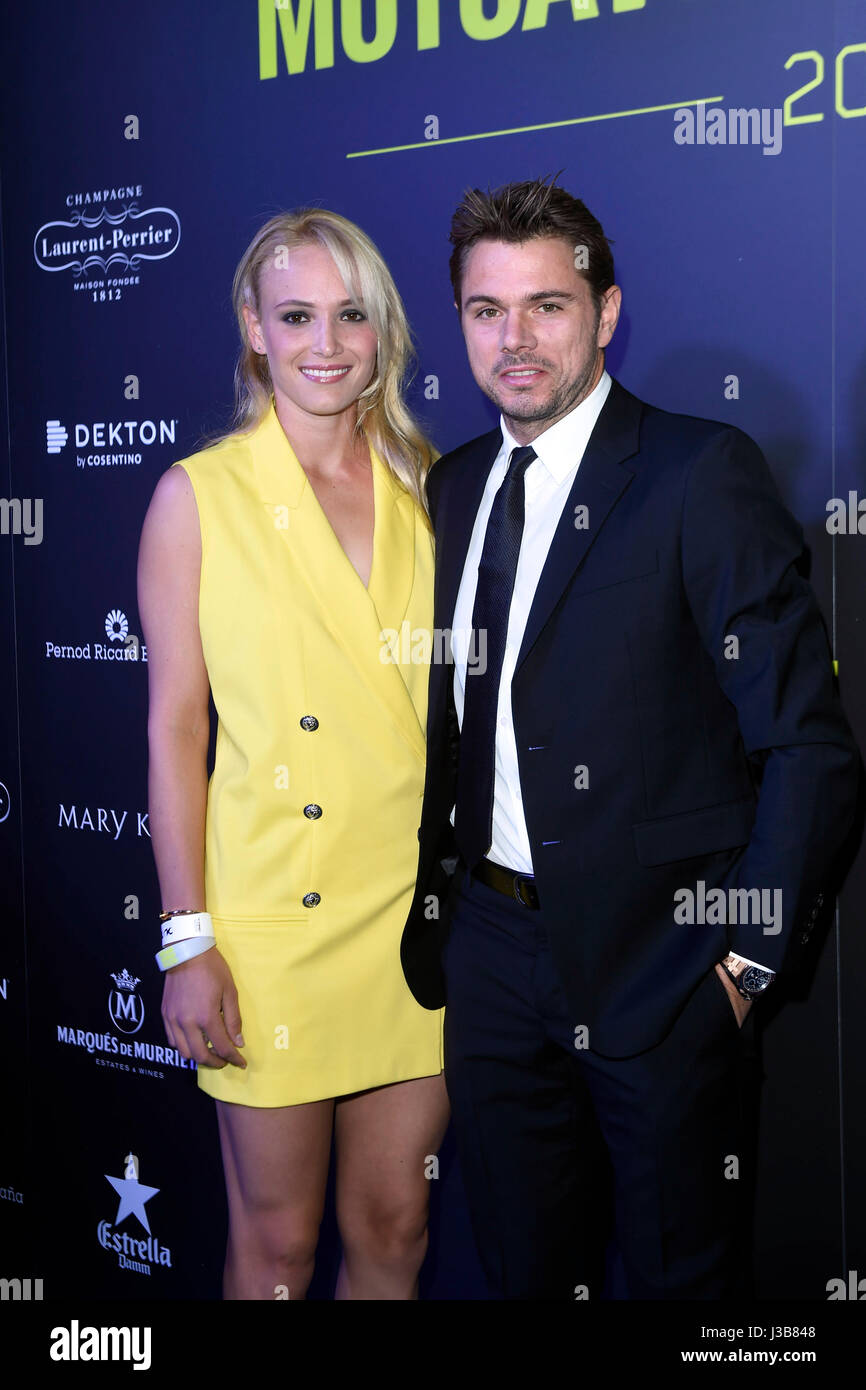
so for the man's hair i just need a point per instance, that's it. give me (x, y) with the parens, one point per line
(518, 212)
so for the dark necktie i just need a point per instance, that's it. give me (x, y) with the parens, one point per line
(473, 816)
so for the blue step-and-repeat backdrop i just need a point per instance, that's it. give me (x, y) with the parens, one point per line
(164, 135)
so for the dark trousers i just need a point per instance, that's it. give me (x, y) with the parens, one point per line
(559, 1146)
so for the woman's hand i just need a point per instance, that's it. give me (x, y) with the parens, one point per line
(200, 1003)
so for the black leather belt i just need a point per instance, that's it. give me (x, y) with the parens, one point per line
(519, 886)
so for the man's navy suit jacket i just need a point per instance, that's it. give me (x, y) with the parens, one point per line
(708, 761)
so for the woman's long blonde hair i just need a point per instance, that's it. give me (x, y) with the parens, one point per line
(383, 416)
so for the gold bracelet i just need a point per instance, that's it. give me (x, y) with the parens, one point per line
(178, 912)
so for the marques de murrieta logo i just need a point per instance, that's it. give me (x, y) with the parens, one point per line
(136, 1254)
(125, 1009)
(105, 239)
(127, 646)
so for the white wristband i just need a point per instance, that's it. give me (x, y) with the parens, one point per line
(185, 926)
(183, 950)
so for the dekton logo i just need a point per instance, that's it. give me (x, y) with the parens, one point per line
(55, 436)
(124, 439)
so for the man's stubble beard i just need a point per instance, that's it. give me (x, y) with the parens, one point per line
(562, 399)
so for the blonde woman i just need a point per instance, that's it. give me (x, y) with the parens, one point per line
(271, 565)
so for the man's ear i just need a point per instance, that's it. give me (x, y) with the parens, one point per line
(609, 315)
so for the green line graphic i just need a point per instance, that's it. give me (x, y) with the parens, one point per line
(523, 129)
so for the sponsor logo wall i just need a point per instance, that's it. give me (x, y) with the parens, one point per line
(123, 221)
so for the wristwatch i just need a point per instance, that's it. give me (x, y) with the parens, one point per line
(750, 980)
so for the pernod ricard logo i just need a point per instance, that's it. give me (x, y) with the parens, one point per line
(122, 645)
(137, 1254)
(104, 240)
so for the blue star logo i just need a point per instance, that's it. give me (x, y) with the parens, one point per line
(132, 1193)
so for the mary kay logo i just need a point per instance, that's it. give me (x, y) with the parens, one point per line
(77, 817)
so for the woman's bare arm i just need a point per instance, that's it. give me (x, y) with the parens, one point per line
(169, 570)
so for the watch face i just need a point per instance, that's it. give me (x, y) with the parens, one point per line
(755, 981)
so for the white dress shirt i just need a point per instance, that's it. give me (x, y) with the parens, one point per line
(546, 485)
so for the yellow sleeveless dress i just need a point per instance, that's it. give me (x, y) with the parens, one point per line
(314, 802)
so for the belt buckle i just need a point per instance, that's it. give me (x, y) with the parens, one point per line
(516, 886)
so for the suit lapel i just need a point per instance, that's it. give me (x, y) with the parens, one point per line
(600, 482)
(455, 520)
(393, 569)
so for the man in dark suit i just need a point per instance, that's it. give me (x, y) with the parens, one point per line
(639, 766)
